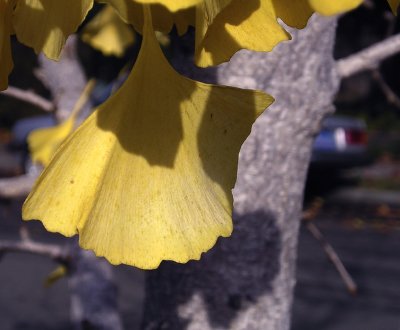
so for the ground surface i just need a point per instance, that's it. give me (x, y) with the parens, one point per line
(367, 238)
(365, 235)
(25, 304)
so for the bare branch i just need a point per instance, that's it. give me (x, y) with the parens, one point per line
(24, 234)
(369, 4)
(309, 215)
(65, 81)
(391, 96)
(29, 97)
(333, 257)
(369, 58)
(16, 186)
(55, 252)
(391, 20)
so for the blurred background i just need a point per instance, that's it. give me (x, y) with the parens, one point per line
(360, 212)
(352, 197)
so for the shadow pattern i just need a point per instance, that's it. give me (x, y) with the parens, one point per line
(227, 279)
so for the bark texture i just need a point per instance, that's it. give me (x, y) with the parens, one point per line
(65, 79)
(246, 281)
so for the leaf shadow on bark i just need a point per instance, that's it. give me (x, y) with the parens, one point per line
(225, 282)
(230, 277)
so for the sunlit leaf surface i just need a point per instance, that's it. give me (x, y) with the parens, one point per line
(172, 5)
(43, 142)
(250, 24)
(163, 19)
(45, 25)
(329, 7)
(293, 13)
(148, 176)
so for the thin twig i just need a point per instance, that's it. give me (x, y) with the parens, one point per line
(369, 4)
(22, 185)
(369, 58)
(16, 186)
(313, 210)
(24, 234)
(333, 257)
(391, 20)
(29, 97)
(55, 252)
(309, 215)
(390, 95)
(83, 97)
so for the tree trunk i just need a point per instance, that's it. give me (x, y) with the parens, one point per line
(246, 281)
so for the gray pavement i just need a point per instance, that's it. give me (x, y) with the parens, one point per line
(369, 246)
(25, 304)
(368, 241)
(365, 196)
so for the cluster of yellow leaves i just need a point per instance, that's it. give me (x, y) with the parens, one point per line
(148, 176)
(108, 33)
(153, 174)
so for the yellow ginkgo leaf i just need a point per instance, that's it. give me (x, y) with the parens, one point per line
(45, 25)
(6, 63)
(148, 176)
(43, 142)
(163, 19)
(108, 33)
(55, 275)
(172, 5)
(250, 24)
(211, 9)
(394, 4)
(333, 7)
(293, 13)
(183, 19)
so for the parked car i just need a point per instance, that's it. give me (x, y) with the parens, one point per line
(341, 144)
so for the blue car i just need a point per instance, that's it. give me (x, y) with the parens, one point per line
(341, 144)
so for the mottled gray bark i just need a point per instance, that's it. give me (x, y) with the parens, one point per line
(246, 282)
(65, 79)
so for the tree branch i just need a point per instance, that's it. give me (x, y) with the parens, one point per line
(29, 97)
(368, 58)
(333, 257)
(16, 186)
(309, 215)
(55, 252)
(390, 95)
